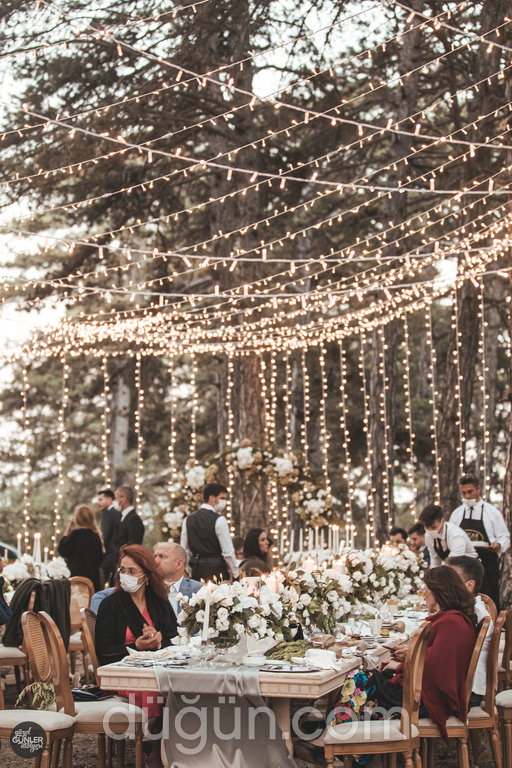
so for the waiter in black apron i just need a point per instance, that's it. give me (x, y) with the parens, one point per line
(485, 526)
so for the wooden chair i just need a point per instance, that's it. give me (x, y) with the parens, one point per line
(456, 729)
(88, 716)
(17, 658)
(490, 605)
(486, 718)
(88, 618)
(58, 727)
(82, 590)
(505, 663)
(365, 737)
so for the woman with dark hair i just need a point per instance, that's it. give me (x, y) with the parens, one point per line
(137, 614)
(257, 556)
(451, 642)
(82, 547)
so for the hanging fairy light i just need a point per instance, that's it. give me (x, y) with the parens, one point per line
(172, 419)
(347, 464)
(63, 437)
(229, 437)
(382, 348)
(370, 500)
(324, 434)
(138, 428)
(306, 401)
(408, 415)
(26, 458)
(105, 417)
(287, 398)
(194, 408)
(431, 377)
(458, 386)
(482, 378)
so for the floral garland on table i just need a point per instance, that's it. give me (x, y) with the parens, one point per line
(321, 599)
(384, 575)
(25, 568)
(313, 504)
(233, 614)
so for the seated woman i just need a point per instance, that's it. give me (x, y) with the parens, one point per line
(136, 615)
(257, 557)
(443, 694)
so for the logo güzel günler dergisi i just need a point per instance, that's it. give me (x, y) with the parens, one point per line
(28, 739)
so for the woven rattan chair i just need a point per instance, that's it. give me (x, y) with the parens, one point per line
(505, 662)
(17, 658)
(58, 727)
(490, 605)
(82, 590)
(457, 729)
(386, 736)
(485, 717)
(123, 718)
(88, 618)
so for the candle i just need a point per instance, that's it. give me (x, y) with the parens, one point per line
(367, 536)
(272, 582)
(309, 564)
(347, 527)
(352, 529)
(336, 538)
(18, 536)
(281, 550)
(310, 539)
(46, 555)
(324, 565)
(292, 541)
(206, 621)
(301, 539)
(316, 539)
(338, 565)
(322, 540)
(37, 549)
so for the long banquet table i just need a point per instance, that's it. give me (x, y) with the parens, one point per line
(278, 688)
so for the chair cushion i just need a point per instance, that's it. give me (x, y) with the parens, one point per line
(452, 722)
(363, 731)
(119, 712)
(477, 713)
(76, 639)
(12, 653)
(504, 699)
(50, 721)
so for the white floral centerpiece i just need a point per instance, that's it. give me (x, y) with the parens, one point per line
(320, 599)
(233, 613)
(56, 569)
(14, 573)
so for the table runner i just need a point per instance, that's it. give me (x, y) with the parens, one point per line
(216, 718)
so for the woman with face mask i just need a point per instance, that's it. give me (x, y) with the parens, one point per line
(137, 614)
(257, 553)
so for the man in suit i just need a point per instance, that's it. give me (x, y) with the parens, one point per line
(206, 539)
(110, 519)
(172, 559)
(131, 527)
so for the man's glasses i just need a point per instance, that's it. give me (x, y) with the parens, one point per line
(130, 571)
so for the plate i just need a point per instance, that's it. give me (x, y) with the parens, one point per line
(481, 544)
(156, 663)
(290, 668)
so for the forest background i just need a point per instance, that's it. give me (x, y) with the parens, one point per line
(255, 196)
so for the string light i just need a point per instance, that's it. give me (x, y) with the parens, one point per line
(230, 435)
(105, 417)
(408, 415)
(194, 409)
(347, 464)
(138, 429)
(306, 401)
(287, 398)
(324, 434)
(63, 437)
(484, 467)
(431, 378)
(26, 457)
(370, 497)
(461, 448)
(381, 352)
(173, 434)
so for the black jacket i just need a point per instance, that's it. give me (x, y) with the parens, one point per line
(52, 596)
(118, 611)
(83, 553)
(130, 530)
(110, 520)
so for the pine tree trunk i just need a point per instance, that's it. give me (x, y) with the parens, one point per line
(121, 411)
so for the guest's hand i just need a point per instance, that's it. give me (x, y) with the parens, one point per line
(495, 546)
(69, 527)
(150, 640)
(388, 665)
(399, 653)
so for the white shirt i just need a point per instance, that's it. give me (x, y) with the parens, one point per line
(174, 591)
(492, 519)
(453, 539)
(125, 512)
(480, 680)
(224, 537)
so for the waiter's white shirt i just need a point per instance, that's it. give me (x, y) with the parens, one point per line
(480, 680)
(174, 591)
(224, 537)
(454, 539)
(492, 518)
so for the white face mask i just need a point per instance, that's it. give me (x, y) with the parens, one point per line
(129, 583)
(470, 503)
(221, 505)
(436, 534)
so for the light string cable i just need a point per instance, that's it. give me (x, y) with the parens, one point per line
(347, 467)
(482, 377)
(63, 437)
(370, 500)
(431, 376)
(105, 418)
(408, 414)
(138, 424)
(26, 456)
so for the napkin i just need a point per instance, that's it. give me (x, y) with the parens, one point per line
(316, 657)
(163, 653)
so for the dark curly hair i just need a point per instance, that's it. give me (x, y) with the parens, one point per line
(146, 563)
(450, 592)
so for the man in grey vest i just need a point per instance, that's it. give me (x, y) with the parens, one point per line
(206, 539)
